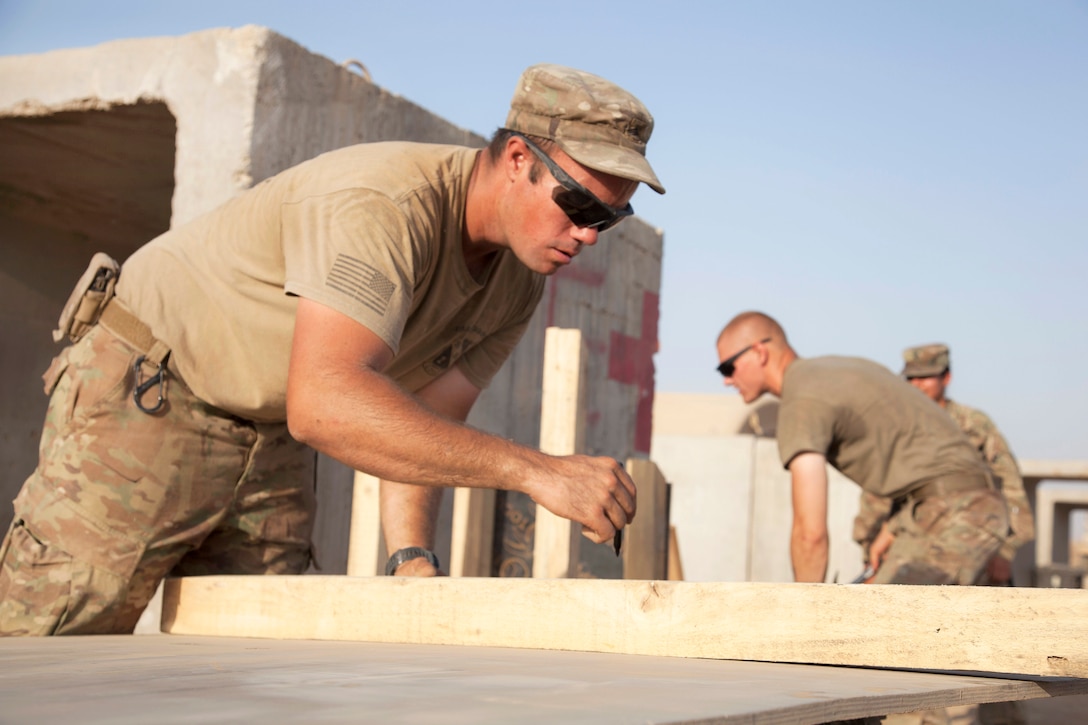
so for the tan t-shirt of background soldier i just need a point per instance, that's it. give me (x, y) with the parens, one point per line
(373, 231)
(844, 407)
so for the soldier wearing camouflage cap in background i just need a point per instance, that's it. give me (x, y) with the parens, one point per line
(356, 304)
(928, 368)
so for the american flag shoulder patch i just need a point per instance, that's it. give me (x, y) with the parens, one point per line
(362, 282)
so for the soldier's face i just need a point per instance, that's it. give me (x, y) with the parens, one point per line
(540, 233)
(747, 372)
(933, 387)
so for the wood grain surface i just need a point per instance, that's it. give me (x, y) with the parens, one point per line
(977, 629)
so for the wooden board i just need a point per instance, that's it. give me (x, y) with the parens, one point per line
(472, 531)
(366, 545)
(675, 565)
(981, 629)
(175, 679)
(556, 540)
(645, 545)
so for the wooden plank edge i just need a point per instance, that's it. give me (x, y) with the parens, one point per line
(1037, 632)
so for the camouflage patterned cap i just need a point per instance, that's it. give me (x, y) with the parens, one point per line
(926, 361)
(597, 123)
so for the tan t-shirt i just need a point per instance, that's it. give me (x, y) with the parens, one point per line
(373, 231)
(874, 427)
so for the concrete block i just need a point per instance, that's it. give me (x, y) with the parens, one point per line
(710, 503)
(1054, 504)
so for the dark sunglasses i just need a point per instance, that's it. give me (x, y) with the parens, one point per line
(580, 204)
(729, 365)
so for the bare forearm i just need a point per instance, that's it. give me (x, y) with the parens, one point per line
(409, 514)
(808, 537)
(364, 420)
(339, 402)
(809, 557)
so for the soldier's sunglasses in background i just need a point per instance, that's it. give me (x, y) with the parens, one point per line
(729, 366)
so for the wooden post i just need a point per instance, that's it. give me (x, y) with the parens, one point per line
(366, 547)
(676, 567)
(562, 432)
(472, 531)
(645, 545)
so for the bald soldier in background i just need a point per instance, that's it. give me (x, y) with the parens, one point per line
(928, 368)
(882, 434)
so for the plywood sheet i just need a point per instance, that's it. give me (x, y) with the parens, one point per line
(124, 680)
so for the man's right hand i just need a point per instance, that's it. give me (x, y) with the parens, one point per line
(999, 570)
(595, 492)
(880, 546)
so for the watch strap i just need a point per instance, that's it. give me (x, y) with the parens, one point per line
(407, 554)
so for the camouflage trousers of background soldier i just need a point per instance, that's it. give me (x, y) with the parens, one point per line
(948, 540)
(121, 498)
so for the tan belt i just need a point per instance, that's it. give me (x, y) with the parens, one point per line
(955, 483)
(132, 330)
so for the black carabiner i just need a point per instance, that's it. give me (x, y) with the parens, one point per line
(141, 388)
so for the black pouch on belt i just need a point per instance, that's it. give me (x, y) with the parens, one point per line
(88, 298)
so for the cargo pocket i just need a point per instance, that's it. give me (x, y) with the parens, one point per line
(76, 571)
(928, 515)
(35, 584)
(78, 532)
(86, 377)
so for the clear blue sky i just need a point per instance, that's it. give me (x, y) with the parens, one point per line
(873, 174)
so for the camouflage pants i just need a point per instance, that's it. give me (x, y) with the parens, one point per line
(945, 539)
(948, 540)
(122, 498)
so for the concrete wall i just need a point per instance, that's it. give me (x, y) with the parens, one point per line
(731, 496)
(102, 148)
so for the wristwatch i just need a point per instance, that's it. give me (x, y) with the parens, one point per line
(407, 554)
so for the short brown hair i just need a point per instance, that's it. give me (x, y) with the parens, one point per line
(498, 142)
